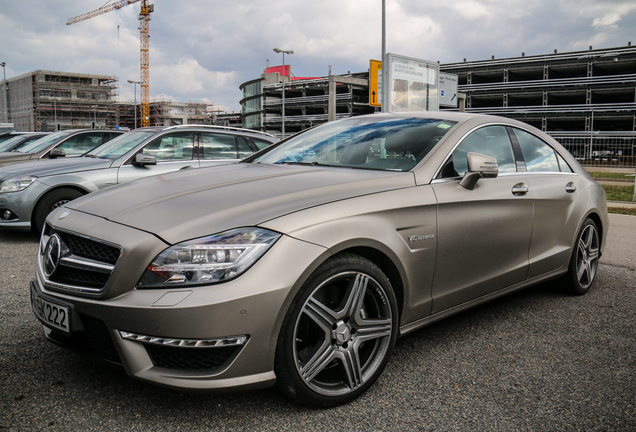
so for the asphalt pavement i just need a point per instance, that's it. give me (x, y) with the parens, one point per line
(536, 360)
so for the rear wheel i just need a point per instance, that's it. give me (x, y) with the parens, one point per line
(584, 261)
(338, 334)
(50, 202)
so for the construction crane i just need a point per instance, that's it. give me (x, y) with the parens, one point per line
(144, 41)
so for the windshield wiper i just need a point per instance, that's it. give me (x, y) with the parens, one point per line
(301, 163)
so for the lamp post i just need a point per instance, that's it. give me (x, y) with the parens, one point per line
(55, 111)
(4, 91)
(384, 100)
(135, 85)
(278, 50)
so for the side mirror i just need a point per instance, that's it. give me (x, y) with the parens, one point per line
(57, 152)
(479, 166)
(144, 159)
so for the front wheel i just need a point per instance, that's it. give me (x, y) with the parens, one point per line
(50, 202)
(584, 261)
(339, 333)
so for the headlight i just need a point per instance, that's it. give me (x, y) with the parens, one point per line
(216, 258)
(16, 184)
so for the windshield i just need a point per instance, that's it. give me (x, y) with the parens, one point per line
(390, 144)
(44, 143)
(121, 145)
(8, 144)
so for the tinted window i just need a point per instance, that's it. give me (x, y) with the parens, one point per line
(218, 146)
(563, 164)
(81, 143)
(491, 141)
(43, 143)
(171, 147)
(121, 145)
(260, 143)
(243, 147)
(538, 155)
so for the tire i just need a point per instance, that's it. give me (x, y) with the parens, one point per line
(338, 334)
(584, 262)
(50, 202)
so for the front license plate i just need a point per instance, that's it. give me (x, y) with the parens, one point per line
(52, 314)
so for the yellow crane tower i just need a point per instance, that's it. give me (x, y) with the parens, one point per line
(144, 41)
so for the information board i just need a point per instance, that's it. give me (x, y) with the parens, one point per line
(413, 84)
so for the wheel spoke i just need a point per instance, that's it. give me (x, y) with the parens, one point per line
(373, 329)
(583, 270)
(589, 236)
(593, 254)
(356, 296)
(352, 368)
(320, 360)
(320, 314)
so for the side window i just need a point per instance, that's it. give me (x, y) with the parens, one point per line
(538, 155)
(243, 147)
(171, 147)
(563, 164)
(218, 146)
(260, 143)
(491, 141)
(81, 143)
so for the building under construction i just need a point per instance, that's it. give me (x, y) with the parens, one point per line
(48, 100)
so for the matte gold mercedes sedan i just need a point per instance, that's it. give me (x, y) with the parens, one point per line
(300, 266)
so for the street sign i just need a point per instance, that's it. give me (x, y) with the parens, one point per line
(375, 83)
(448, 90)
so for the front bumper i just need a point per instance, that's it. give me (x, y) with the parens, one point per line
(252, 306)
(20, 204)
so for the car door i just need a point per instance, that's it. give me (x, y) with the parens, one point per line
(554, 188)
(220, 148)
(173, 151)
(483, 235)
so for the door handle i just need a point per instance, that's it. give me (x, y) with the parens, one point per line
(570, 187)
(519, 189)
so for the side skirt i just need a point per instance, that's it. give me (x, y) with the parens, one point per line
(415, 325)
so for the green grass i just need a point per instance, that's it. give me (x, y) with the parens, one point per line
(619, 193)
(611, 175)
(622, 210)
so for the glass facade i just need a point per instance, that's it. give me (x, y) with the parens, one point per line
(251, 105)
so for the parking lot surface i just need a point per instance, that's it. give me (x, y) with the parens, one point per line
(534, 360)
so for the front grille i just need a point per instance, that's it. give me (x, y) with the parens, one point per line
(92, 249)
(190, 358)
(86, 264)
(95, 340)
(80, 277)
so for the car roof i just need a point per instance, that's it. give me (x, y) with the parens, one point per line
(255, 133)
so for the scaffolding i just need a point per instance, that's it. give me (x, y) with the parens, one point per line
(48, 100)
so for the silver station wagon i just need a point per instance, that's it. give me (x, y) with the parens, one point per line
(300, 266)
(30, 191)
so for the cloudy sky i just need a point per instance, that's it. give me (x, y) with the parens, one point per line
(202, 50)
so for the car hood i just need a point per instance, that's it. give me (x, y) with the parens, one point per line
(13, 157)
(196, 203)
(51, 167)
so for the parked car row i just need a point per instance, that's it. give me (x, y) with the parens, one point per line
(300, 265)
(29, 191)
(13, 141)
